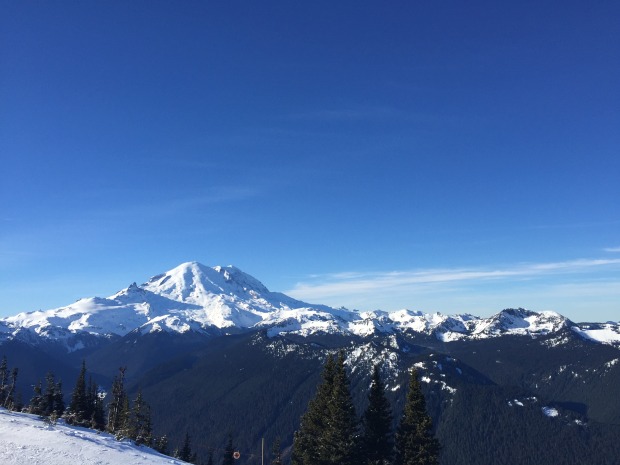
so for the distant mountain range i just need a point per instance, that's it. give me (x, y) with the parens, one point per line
(225, 300)
(218, 354)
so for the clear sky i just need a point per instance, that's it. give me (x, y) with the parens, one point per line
(452, 156)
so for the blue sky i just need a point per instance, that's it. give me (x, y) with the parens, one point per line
(439, 156)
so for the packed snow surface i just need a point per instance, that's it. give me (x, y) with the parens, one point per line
(608, 333)
(27, 440)
(550, 412)
(196, 298)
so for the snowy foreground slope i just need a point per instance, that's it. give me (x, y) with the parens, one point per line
(194, 298)
(27, 440)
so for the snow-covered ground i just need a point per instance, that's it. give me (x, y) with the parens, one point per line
(27, 440)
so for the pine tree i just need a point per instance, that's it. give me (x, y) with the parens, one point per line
(185, 453)
(116, 411)
(36, 400)
(126, 427)
(161, 444)
(78, 412)
(377, 440)
(48, 398)
(306, 441)
(329, 428)
(96, 408)
(415, 442)
(58, 407)
(339, 442)
(10, 401)
(276, 453)
(18, 405)
(4, 380)
(210, 461)
(142, 429)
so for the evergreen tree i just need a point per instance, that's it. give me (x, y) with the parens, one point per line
(229, 453)
(36, 400)
(306, 440)
(18, 405)
(210, 461)
(78, 412)
(58, 407)
(116, 410)
(4, 380)
(377, 440)
(161, 444)
(340, 439)
(48, 398)
(96, 408)
(415, 442)
(126, 428)
(10, 402)
(185, 453)
(329, 428)
(276, 453)
(141, 414)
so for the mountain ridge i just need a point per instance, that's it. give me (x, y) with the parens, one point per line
(201, 299)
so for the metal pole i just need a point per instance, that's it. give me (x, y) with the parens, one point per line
(262, 451)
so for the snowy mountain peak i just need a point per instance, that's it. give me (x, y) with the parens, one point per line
(522, 321)
(196, 298)
(193, 282)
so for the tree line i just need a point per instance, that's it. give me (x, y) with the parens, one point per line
(120, 416)
(330, 432)
(123, 418)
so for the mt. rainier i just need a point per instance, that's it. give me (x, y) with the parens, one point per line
(224, 300)
(215, 351)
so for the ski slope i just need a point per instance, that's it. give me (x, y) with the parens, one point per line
(27, 440)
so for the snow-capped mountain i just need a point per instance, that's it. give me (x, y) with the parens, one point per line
(216, 341)
(201, 299)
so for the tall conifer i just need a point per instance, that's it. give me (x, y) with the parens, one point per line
(49, 396)
(36, 400)
(58, 400)
(329, 428)
(116, 408)
(11, 402)
(341, 436)
(4, 380)
(415, 442)
(78, 412)
(141, 416)
(276, 453)
(377, 441)
(307, 447)
(185, 453)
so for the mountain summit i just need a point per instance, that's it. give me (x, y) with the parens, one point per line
(196, 298)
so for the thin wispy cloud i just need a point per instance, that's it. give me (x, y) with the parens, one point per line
(351, 283)
(612, 249)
